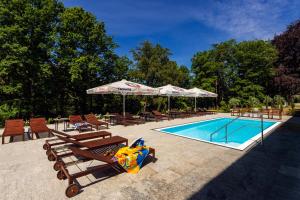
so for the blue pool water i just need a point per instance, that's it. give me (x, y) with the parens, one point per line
(239, 132)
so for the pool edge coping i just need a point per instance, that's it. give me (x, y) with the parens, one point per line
(240, 147)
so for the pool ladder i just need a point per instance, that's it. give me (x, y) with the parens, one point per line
(226, 129)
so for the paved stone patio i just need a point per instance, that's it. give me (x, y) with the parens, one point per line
(185, 169)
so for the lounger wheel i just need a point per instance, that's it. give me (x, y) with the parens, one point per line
(51, 157)
(72, 190)
(58, 165)
(48, 152)
(45, 147)
(61, 175)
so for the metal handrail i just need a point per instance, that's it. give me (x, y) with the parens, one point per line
(224, 126)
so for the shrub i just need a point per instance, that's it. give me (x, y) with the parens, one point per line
(278, 101)
(267, 101)
(253, 102)
(7, 112)
(234, 102)
(224, 106)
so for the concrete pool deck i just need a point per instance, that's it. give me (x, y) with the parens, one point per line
(185, 168)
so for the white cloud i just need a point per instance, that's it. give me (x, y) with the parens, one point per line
(250, 19)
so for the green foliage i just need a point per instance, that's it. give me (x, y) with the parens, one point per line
(279, 101)
(50, 55)
(7, 112)
(253, 102)
(160, 103)
(234, 102)
(224, 106)
(236, 69)
(267, 101)
(27, 28)
(153, 67)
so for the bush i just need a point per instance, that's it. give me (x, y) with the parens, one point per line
(234, 102)
(253, 102)
(224, 106)
(7, 112)
(278, 101)
(267, 101)
(50, 121)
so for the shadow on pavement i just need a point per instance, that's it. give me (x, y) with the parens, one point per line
(271, 171)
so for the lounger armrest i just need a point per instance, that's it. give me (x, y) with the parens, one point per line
(56, 132)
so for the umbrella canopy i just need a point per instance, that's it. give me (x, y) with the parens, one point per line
(171, 90)
(201, 93)
(211, 94)
(124, 88)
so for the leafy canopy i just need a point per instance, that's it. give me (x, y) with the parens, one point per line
(235, 69)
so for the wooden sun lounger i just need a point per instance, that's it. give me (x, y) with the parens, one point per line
(265, 112)
(13, 127)
(159, 116)
(212, 112)
(37, 126)
(74, 119)
(235, 112)
(92, 144)
(130, 117)
(202, 111)
(85, 136)
(245, 112)
(73, 186)
(276, 112)
(92, 119)
(125, 121)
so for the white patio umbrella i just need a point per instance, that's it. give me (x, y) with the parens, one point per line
(211, 94)
(171, 90)
(124, 88)
(201, 93)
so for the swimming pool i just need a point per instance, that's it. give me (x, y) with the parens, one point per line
(240, 132)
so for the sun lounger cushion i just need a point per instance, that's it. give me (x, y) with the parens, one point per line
(131, 158)
(81, 124)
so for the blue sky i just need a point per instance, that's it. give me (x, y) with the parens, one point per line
(188, 26)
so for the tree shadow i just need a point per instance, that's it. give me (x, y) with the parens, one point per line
(102, 175)
(271, 171)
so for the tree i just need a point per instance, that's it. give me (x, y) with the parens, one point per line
(216, 68)
(287, 77)
(236, 69)
(26, 38)
(50, 55)
(84, 57)
(152, 66)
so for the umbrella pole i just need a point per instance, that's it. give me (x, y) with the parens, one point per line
(124, 105)
(169, 104)
(195, 104)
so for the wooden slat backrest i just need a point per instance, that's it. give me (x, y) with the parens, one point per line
(75, 119)
(38, 124)
(90, 118)
(13, 126)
